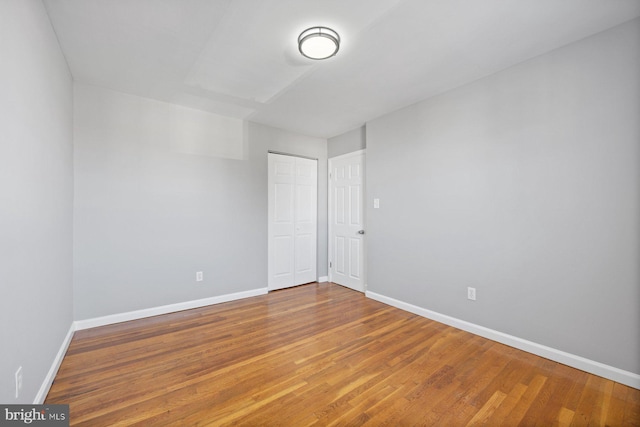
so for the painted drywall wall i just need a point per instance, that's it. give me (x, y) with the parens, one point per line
(526, 186)
(36, 190)
(162, 192)
(348, 142)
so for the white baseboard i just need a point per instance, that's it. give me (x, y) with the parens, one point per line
(323, 279)
(48, 380)
(164, 309)
(618, 375)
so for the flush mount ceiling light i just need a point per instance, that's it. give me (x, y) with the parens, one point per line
(318, 43)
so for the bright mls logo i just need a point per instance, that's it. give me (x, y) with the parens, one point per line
(37, 415)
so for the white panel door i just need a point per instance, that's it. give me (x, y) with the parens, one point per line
(292, 221)
(281, 220)
(346, 220)
(305, 216)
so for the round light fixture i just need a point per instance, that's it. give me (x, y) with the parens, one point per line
(318, 43)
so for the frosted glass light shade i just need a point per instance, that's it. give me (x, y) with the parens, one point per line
(318, 43)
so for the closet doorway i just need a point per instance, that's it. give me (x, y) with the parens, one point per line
(292, 226)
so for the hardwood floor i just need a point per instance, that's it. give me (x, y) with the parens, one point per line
(320, 354)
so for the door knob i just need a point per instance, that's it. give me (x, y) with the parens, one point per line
(360, 231)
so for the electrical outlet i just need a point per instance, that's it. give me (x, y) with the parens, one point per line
(471, 294)
(18, 381)
(199, 276)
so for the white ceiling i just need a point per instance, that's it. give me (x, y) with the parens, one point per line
(239, 58)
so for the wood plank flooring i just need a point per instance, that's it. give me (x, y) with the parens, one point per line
(320, 355)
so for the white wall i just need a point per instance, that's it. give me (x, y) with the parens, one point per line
(526, 186)
(36, 197)
(163, 191)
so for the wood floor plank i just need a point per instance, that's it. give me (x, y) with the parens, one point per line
(561, 386)
(320, 355)
(481, 417)
(537, 406)
(590, 402)
(528, 397)
(565, 417)
(497, 418)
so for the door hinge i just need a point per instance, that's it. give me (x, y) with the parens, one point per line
(330, 264)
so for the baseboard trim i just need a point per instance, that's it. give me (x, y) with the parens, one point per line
(323, 279)
(615, 374)
(164, 309)
(48, 380)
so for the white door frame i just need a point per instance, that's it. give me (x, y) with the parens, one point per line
(330, 215)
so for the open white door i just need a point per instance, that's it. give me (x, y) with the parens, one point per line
(346, 220)
(292, 220)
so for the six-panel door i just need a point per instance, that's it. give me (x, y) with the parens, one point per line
(292, 220)
(346, 216)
